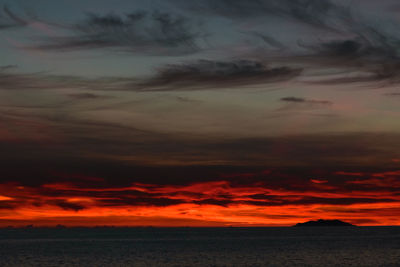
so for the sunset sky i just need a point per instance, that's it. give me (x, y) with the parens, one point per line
(199, 113)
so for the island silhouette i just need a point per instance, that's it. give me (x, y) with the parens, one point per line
(321, 222)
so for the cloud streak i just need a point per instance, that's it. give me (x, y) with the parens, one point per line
(311, 12)
(299, 100)
(198, 75)
(151, 33)
(349, 41)
(205, 74)
(366, 52)
(9, 20)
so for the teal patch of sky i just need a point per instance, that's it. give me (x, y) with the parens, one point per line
(96, 62)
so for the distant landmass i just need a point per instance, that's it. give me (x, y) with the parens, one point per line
(324, 223)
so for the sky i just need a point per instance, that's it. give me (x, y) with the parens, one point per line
(199, 113)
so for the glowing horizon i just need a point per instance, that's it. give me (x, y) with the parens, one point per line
(211, 113)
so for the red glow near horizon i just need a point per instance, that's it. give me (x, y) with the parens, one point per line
(217, 203)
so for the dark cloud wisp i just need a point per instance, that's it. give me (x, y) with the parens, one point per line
(317, 13)
(217, 74)
(153, 33)
(337, 34)
(199, 75)
(292, 99)
(9, 20)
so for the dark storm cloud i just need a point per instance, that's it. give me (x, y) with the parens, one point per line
(217, 74)
(152, 33)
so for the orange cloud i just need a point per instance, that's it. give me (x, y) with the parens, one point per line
(215, 203)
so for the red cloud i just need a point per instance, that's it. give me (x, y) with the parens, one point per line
(214, 203)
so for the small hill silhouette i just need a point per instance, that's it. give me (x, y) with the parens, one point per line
(324, 223)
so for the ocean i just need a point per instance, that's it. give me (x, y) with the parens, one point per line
(281, 246)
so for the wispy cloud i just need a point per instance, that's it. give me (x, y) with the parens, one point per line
(151, 33)
(312, 12)
(392, 94)
(10, 79)
(217, 74)
(199, 75)
(9, 20)
(86, 96)
(292, 99)
(336, 36)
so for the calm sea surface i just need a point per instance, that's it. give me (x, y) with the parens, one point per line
(327, 246)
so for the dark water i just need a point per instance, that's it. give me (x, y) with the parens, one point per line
(340, 246)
